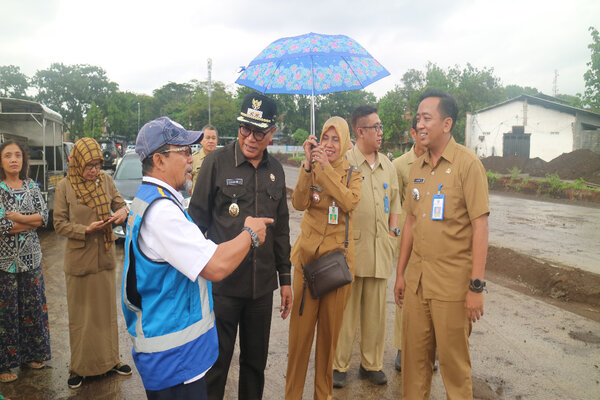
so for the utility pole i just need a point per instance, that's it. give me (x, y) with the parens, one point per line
(209, 86)
(555, 85)
(138, 116)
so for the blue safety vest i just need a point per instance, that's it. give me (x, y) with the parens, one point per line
(169, 317)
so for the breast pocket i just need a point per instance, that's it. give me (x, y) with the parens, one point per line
(237, 195)
(269, 201)
(454, 202)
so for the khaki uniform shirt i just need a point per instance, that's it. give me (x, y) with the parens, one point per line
(374, 246)
(402, 165)
(317, 236)
(441, 257)
(198, 158)
(85, 252)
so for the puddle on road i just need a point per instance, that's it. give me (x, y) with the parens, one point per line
(586, 337)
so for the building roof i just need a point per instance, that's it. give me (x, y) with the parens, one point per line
(545, 102)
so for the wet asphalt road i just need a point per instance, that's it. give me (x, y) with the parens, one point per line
(522, 349)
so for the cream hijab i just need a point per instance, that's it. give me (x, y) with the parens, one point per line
(341, 127)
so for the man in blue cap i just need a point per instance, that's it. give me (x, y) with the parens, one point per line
(166, 292)
(239, 180)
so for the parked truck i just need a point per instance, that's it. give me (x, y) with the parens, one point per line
(41, 131)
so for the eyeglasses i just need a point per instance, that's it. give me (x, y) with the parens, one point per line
(376, 127)
(186, 150)
(258, 135)
(89, 167)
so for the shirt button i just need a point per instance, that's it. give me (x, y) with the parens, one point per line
(424, 215)
(427, 193)
(432, 172)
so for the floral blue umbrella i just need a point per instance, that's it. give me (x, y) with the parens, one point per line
(312, 64)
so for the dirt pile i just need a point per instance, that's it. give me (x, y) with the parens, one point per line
(570, 166)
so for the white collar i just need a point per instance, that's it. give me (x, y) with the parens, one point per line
(164, 184)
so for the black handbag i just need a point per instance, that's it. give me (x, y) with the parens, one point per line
(327, 272)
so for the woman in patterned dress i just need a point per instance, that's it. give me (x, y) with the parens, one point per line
(24, 331)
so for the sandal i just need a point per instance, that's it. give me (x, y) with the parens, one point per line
(36, 365)
(8, 376)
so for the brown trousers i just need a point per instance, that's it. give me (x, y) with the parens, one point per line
(326, 313)
(428, 323)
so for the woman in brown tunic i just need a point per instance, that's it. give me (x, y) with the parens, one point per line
(321, 185)
(82, 212)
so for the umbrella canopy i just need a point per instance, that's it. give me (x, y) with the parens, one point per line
(312, 64)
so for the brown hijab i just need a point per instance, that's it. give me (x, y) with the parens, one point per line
(90, 192)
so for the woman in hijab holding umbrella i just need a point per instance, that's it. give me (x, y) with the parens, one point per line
(322, 184)
(85, 207)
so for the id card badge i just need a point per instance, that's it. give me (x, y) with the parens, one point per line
(333, 214)
(437, 206)
(386, 200)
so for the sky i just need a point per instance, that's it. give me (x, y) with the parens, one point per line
(143, 45)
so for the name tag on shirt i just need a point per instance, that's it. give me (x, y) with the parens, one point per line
(234, 182)
(437, 207)
(419, 180)
(333, 215)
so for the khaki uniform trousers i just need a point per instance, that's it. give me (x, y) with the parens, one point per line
(326, 313)
(398, 328)
(428, 323)
(367, 304)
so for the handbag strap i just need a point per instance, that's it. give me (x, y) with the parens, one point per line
(347, 185)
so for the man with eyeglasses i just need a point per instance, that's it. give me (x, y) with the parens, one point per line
(166, 290)
(375, 231)
(239, 180)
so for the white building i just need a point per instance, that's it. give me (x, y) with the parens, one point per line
(532, 127)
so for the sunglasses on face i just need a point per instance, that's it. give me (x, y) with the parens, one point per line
(258, 135)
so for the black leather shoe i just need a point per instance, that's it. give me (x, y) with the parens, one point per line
(339, 379)
(398, 363)
(375, 377)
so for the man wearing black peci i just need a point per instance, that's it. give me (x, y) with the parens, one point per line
(239, 180)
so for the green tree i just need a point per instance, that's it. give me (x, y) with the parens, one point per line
(121, 109)
(570, 100)
(13, 83)
(173, 100)
(393, 107)
(70, 90)
(92, 126)
(512, 91)
(591, 95)
(300, 136)
(341, 104)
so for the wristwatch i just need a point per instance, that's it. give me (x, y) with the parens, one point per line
(396, 231)
(476, 285)
(253, 236)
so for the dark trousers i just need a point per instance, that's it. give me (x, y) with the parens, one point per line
(254, 320)
(192, 391)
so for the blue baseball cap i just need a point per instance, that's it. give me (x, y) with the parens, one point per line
(161, 131)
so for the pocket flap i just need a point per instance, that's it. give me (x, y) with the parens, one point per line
(234, 192)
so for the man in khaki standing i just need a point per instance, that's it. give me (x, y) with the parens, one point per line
(402, 165)
(375, 231)
(445, 236)
(209, 143)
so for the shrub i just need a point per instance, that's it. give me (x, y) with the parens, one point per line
(514, 173)
(492, 177)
